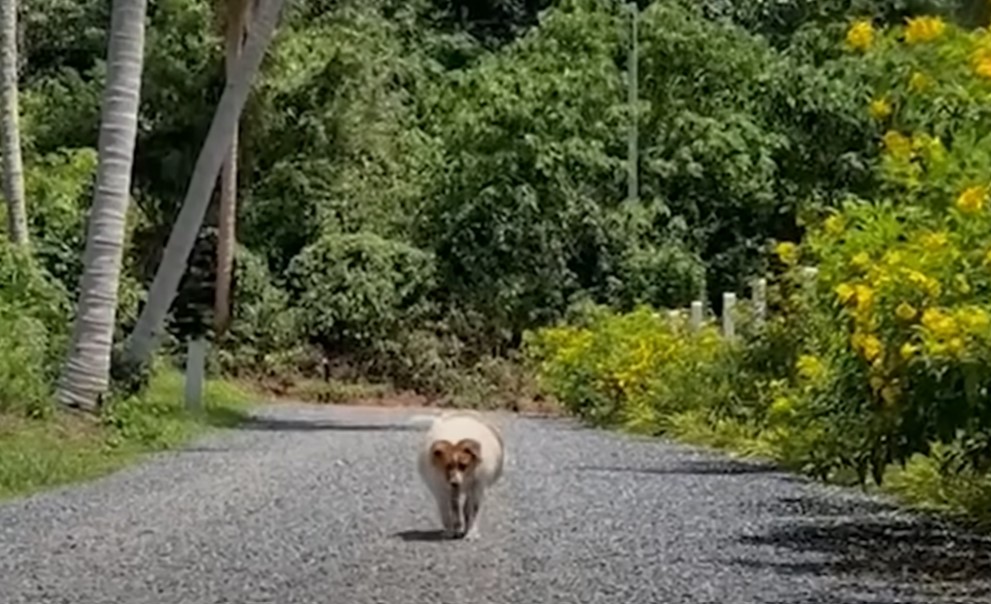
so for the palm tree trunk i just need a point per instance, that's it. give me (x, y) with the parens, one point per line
(86, 373)
(10, 138)
(212, 155)
(227, 232)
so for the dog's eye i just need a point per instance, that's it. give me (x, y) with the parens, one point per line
(462, 466)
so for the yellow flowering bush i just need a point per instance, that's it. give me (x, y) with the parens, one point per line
(634, 368)
(905, 277)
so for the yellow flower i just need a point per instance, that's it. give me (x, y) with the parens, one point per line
(872, 348)
(893, 257)
(955, 346)
(865, 297)
(845, 291)
(869, 346)
(860, 36)
(897, 144)
(940, 324)
(972, 199)
(923, 29)
(809, 367)
(834, 224)
(876, 382)
(908, 350)
(860, 260)
(880, 109)
(923, 282)
(934, 241)
(974, 319)
(919, 82)
(982, 62)
(787, 252)
(782, 405)
(905, 311)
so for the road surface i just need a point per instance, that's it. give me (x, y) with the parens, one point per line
(322, 504)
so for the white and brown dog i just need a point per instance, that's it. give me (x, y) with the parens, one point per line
(461, 456)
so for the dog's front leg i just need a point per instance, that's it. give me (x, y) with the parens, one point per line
(473, 505)
(448, 516)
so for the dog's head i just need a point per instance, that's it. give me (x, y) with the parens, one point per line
(456, 460)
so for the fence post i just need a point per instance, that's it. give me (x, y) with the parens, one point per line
(195, 368)
(696, 315)
(759, 298)
(729, 306)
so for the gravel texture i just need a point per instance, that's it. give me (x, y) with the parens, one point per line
(323, 505)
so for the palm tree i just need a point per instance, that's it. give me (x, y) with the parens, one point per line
(10, 138)
(85, 375)
(212, 156)
(235, 16)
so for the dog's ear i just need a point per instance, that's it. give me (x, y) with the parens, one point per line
(472, 447)
(440, 450)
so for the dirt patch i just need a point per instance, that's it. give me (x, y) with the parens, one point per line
(336, 392)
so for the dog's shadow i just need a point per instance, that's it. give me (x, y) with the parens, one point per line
(415, 535)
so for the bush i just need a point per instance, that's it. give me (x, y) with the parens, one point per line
(34, 319)
(265, 335)
(355, 291)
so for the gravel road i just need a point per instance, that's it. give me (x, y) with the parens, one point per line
(322, 504)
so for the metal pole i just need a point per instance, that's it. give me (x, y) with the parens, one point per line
(633, 192)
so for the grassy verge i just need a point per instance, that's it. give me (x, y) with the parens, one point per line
(41, 453)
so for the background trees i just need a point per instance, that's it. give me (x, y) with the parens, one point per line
(475, 149)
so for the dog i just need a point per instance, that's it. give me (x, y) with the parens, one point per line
(460, 458)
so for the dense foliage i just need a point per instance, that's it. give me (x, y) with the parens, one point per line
(880, 358)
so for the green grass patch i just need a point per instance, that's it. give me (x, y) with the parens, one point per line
(66, 447)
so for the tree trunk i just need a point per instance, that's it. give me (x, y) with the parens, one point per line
(10, 138)
(227, 231)
(86, 373)
(212, 155)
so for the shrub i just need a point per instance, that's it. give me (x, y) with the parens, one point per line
(33, 329)
(355, 291)
(265, 334)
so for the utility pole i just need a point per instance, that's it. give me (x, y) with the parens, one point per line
(633, 193)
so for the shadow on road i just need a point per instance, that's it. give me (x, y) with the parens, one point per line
(714, 467)
(431, 535)
(269, 424)
(860, 541)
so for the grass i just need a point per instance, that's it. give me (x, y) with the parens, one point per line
(36, 454)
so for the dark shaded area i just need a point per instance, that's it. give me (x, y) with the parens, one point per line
(879, 547)
(271, 424)
(422, 536)
(713, 467)
(858, 540)
(817, 506)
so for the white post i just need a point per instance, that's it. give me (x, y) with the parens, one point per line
(729, 306)
(759, 297)
(195, 368)
(696, 320)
